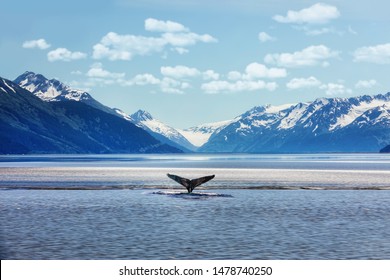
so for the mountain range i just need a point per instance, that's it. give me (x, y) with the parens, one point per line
(40, 115)
(356, 124)
(33, 123)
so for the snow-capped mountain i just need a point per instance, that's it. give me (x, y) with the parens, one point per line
(358, 124)
(160, 130)
(30, 125)
(199, 135)
(49, 90)
(53, 90)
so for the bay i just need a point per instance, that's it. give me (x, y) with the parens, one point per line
(322, 206)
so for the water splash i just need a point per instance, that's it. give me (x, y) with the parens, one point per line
(193, 195)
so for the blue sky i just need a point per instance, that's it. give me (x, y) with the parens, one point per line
(197, 61)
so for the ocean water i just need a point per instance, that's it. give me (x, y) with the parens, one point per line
(257, 207)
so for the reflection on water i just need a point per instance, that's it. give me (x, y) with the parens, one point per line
(193, 195)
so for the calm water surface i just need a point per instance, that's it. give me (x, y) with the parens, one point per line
(135, 212)
(227, 224)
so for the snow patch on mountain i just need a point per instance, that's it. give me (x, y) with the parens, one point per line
(158, 126)
(123, 114)
(49, 90)
(276, 109)
(146, 121)
(294, 116)
(8, 86)
(356, 111)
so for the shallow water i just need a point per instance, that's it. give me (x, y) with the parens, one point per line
(257, 207)
(323, 171)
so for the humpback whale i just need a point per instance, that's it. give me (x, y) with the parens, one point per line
(190, 185)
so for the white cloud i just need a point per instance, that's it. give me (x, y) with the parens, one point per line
(256, 70)
(179, 71)
(210, 75)
(39, 44)
(331, 89)
(144, 79)
(166, 84)
(319, 13)
(152, 24)
(335, 89)
(298, 83)
(379, 54)
(225, 86)
(249, 80)
(97, 71)
(234, 75)
(169, 85)
(180, 50)
(183, 72)
(310, 56)
(186, 39)
(63, 54)
(174, 36)
(123, 47)
(318, 31)
(264, 37)
(366, 84)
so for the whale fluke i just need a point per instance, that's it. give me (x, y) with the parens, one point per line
(190, 185)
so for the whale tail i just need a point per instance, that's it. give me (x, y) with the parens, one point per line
(190, 185)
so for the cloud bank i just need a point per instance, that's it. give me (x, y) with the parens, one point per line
(379, 54)
(63, 54)
(319, 13)
(174, 36)
(310, 56)
(36, 44)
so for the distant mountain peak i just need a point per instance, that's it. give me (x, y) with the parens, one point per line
(55, 91)
(49, 90)
(141, 115)
(160, 130)
(29, 75)
(29, 78)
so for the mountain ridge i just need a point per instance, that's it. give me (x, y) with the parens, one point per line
(52, 90)
(323, 125)
(30, 125)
